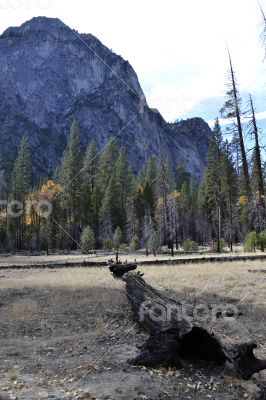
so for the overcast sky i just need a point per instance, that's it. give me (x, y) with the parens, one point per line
(177, 47)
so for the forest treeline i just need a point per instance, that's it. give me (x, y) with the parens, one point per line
(94, 200)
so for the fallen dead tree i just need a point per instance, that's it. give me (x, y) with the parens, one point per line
(118, 268)
(175, 337)
(257, 271)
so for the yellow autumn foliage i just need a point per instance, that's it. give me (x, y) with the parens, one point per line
(50, 189)
(242, 201)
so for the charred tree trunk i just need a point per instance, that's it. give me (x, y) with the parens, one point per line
(240, 134)
(258, 159)
(175, 336)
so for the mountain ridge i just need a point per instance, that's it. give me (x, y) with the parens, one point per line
(53, 75)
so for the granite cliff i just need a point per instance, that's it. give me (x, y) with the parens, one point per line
(51, 75)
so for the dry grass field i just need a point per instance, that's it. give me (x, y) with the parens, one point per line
(69, 333)
(78, 257)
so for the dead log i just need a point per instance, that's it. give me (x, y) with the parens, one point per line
(118, 268)
(175, 336)
(261, 271)
(261, 391)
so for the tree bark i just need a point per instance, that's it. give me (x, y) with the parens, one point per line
(175, 336)
(240, 131)
(259, 172)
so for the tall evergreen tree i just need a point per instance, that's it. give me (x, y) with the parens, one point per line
(71, 181)
(203, 228)
(21, 177)
(21, 180)
(165, 185)
(213, 182)
(124, 180)
(89, 191)
(229, 193)
(115, 201)
(107, 165)
(149, 184)
(3, 205)
(182, 174)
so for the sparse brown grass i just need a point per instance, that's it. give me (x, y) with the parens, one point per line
(225, 280)
(23, 310)
(57, 323)
(78, 257)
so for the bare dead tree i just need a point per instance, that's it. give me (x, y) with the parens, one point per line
(263, 33)
(258, 164)
(231, 109)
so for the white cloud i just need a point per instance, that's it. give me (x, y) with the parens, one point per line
(223, 122)
(177, 47)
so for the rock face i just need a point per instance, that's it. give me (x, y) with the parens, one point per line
(51, 75)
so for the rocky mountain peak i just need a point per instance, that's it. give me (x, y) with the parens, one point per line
(37, 25)
(50, 79)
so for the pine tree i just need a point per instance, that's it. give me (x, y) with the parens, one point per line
(203, 228)
(193, 195)
(184, 211)
(89, 190)
(108, 211)
(229, 193)
(22, 171)
(117, 240)
(87, 239)
(123, 177)
(107, 165)
(213, 182)
(3, 206)
(115, 201)
(182, 174)
(71, 180)
(21, 178)
(52, 232)
(149, 184)
(165, 185)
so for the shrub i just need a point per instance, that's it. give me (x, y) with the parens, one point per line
(261, 240)
(154, 242)
(44, 244)
(250, 242)
(117, 240)
(190, 245)
(87, 239)
(222, 245)
(123, 247)
(135, 243)
(107, 245)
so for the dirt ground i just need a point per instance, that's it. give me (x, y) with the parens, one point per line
(69, 333)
